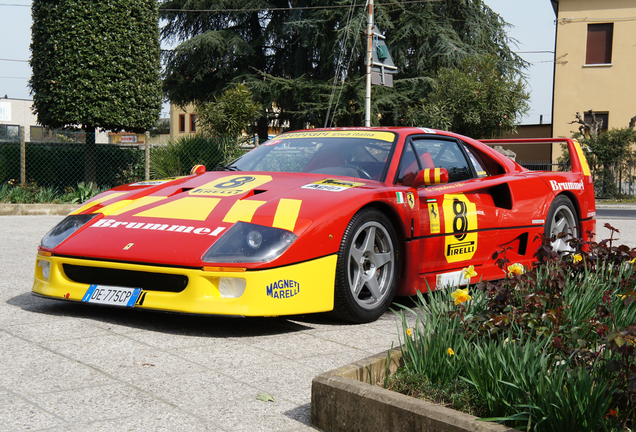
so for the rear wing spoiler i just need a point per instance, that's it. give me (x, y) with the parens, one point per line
(578, 162)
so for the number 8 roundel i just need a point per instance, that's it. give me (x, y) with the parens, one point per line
(460, 224)
(231, 185)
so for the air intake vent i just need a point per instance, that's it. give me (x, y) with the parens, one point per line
(126, 278)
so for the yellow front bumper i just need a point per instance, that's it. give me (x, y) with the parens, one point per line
(300, 288)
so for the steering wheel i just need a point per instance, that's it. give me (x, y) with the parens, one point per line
(359, 170)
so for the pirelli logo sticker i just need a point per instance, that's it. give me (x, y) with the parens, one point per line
(231, 185)
(332, 185)
(460, 224)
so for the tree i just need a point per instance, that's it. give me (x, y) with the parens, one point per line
(96, 64)
(607, 152)
(230, 114)
(290, 57)
(478, 99)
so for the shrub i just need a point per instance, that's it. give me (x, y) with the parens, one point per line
(549, 349)
(178, 157)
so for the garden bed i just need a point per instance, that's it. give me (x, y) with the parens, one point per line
(345, 399)
(547, 348)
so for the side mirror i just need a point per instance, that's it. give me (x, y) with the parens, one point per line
(430, 177)
(197, 169)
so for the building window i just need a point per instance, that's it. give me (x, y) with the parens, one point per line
(193, 122)
(9, 132)
(181, 123)
(599, 43)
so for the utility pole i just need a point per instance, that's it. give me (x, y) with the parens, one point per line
(367, 116)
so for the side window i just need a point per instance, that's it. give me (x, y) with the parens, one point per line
(475, 160)
(408, 166)
(434, 153)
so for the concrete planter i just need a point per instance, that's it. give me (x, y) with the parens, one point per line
(36, 209)
(343, 400)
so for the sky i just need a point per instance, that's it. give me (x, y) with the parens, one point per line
(532, 24)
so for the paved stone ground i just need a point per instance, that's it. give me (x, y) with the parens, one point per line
(76, 367)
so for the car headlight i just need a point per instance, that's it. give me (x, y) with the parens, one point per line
(249, 243)
(64, 229)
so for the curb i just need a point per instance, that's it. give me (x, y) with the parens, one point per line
(36, 209)
(342, 400)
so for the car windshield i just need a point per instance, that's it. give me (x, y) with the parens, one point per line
(359, 154)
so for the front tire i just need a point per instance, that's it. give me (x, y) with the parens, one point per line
(561, 225)
(367, 268)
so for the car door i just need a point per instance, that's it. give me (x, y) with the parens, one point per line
(458, 221)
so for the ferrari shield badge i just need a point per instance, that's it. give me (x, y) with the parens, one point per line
(410, 198)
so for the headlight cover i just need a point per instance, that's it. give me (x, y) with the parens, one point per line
(249, 243)
(64, 229)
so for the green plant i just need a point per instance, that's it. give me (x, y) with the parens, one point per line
(133, 172)
(433, 345)
(548, 348)
(83, 193)
(179, 156)
(46, 195)
(455, 394)
(4, 192)
(230, 114)
(18, 194)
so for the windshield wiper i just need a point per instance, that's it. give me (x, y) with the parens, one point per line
(227, 168)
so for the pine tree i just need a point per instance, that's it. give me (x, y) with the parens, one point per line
(290, 57)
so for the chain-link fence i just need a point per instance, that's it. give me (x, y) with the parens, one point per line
(620, 183)
(61, 160)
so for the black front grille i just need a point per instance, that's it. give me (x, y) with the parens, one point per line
(126, 278)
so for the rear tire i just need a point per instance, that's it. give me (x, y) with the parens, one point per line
(562, 219)
(367, 268)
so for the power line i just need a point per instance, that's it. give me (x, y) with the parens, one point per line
(13, 4)
(14, 60)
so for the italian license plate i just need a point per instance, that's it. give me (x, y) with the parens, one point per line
(111, 295)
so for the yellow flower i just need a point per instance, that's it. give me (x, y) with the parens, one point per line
(577, 258)
(469, 272)
(632, 261)
(450, 352)
(409, 331)
(515, 270)
(460, 296)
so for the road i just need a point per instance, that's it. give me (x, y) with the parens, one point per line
(621, 217)
(616, 213)
(72, 367)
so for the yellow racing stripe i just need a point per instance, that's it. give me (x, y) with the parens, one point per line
(287, 214)
(242, 210)
(189, 208)
(128, 205)
(99, 200)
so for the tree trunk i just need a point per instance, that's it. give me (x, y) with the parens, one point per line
(90, 171)
(262, 129)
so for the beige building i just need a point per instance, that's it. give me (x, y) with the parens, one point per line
(183, 121)
(595, 60)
